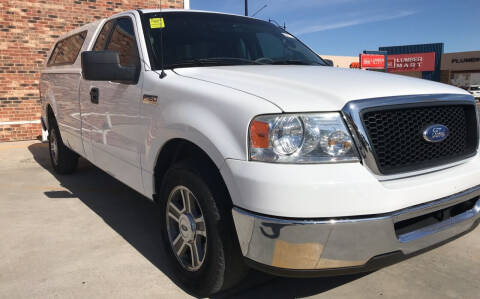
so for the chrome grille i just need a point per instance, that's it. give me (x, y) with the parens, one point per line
(389, 132)
(397, 139)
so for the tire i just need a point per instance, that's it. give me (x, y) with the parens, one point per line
(220, 263)
(63, 159)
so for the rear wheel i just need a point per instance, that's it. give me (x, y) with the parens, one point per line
(198, 231)
(63, 159)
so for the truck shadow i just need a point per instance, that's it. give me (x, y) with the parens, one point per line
(134, 218)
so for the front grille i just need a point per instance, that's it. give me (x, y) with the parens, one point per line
(396, 136)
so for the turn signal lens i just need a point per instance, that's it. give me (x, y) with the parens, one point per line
(336, 144)
(259, 134)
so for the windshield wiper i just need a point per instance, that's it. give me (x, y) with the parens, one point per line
(293, 61)
(230, 60)
(215, 61)
(186, 63)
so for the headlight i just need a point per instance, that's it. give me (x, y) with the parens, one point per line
(301, 138)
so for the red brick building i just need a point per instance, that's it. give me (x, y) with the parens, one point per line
(28, 29)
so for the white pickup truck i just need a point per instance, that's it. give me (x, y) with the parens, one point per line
(257, 153)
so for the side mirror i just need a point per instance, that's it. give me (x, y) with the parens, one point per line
(105, 66)
(329, 62)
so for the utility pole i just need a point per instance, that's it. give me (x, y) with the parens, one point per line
(246, 7)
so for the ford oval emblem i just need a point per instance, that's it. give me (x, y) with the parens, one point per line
(436, 133)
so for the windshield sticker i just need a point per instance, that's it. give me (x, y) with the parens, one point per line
(156, 23)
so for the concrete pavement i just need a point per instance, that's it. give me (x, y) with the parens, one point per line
(87, 235)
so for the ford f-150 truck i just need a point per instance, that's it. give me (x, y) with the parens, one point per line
(257, 153)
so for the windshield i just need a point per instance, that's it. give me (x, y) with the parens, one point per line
(474, 88)
(206, 39)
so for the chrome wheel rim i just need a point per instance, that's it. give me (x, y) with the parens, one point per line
(187, 232)
(53, 146)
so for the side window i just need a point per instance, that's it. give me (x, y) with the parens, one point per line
(56, 50)
(66, 51)
(103, 36)
(123, 41)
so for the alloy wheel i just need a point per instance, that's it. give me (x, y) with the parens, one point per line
(186, 228)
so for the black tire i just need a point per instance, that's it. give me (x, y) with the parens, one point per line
(223, 265)
(63, 159)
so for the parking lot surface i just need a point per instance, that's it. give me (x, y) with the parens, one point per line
(87, 235)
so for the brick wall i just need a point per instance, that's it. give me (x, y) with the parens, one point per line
(28, 29)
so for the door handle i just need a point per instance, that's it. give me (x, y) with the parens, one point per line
(94, 95)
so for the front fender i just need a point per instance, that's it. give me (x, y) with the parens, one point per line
(199, 126)
(217, 146)
(211, 116)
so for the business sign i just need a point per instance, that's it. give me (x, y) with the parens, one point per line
(466, 60)
(417, 62)
(372, 61)
(461, 61)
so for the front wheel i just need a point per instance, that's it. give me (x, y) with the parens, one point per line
(198, 232)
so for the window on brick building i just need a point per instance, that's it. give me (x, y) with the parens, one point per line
(66, 50)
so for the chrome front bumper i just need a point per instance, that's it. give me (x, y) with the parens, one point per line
(351, 241)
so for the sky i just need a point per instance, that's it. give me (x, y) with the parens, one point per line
(347, 27)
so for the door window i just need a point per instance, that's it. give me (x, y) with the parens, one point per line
(103, 36)
(123, 41)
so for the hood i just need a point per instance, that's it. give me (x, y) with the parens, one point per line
(314, 88)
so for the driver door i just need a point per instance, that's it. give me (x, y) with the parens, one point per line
(110, 110)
